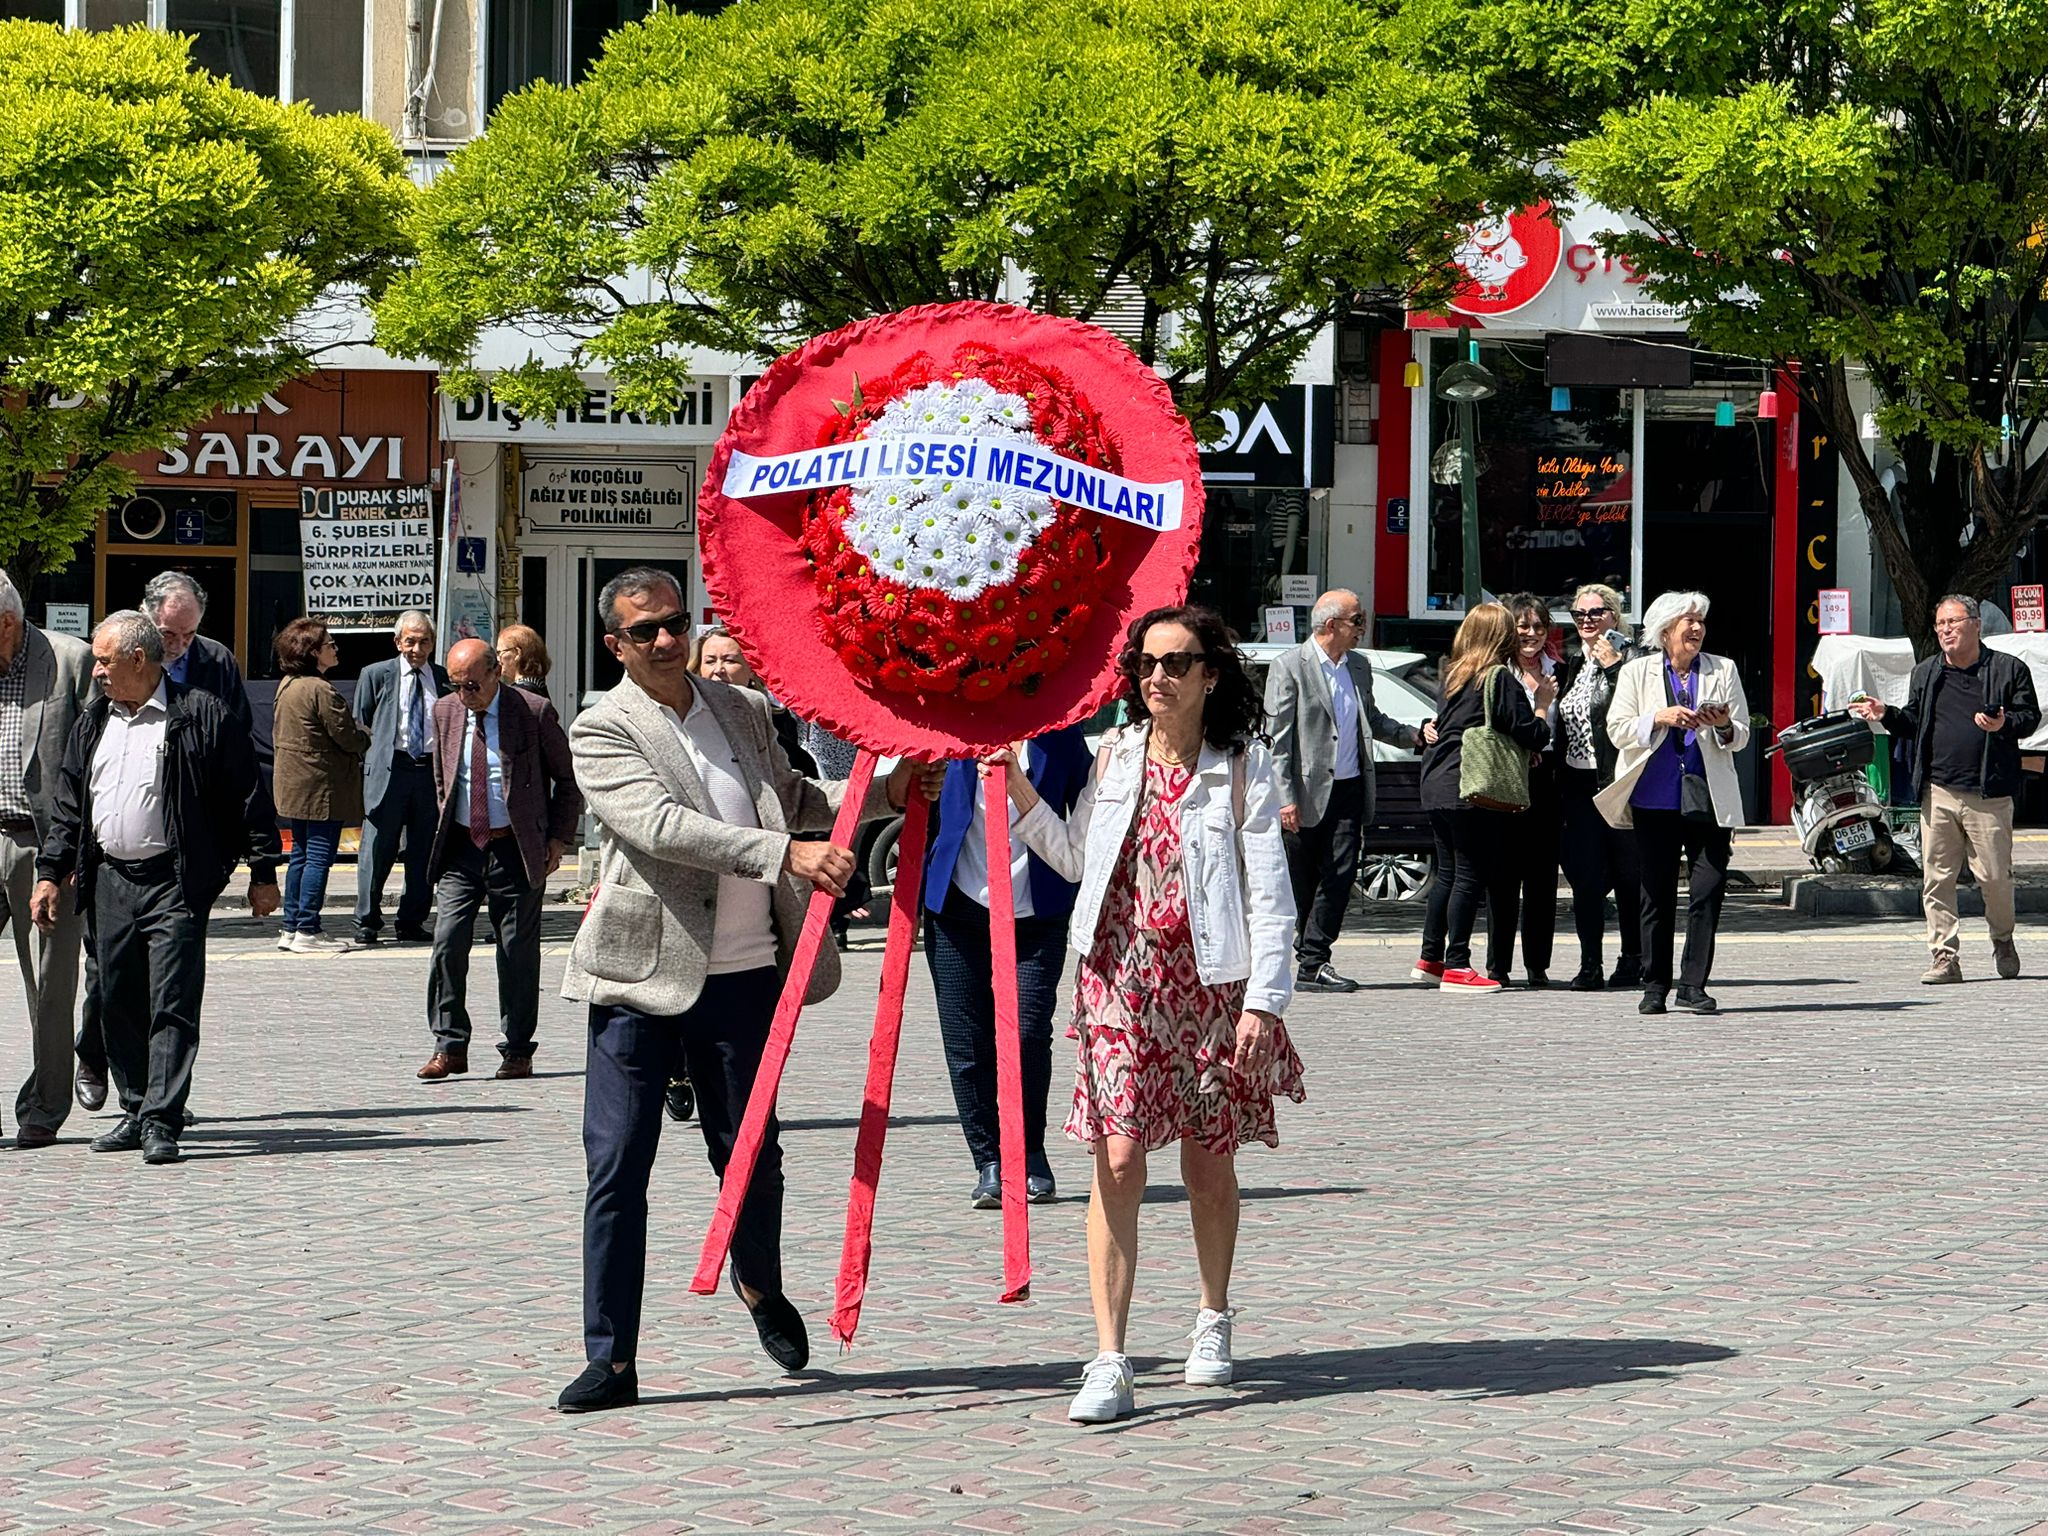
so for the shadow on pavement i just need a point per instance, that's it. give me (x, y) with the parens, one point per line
(896, 1122)
(201, 1146)
(1176, 1194)
(1742, 1010)
(1478, 1368)
(393, 1113)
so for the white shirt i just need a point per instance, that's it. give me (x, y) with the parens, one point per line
(742, 929)
(1344, 710)
(494, 763)
(128, 780)
(421, 678)
(970, 870)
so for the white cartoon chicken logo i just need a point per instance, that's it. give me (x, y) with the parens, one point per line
(1491, 255)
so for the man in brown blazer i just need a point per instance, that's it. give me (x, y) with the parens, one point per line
(508, 809)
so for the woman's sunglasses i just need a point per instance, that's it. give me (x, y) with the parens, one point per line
(1588, 615)
(1174, 664)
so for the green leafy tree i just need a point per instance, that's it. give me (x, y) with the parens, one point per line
(162, 239)
(1850, 190)
(1236, 169)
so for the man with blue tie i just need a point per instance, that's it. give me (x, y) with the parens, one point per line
(956, 947)
(395, 703)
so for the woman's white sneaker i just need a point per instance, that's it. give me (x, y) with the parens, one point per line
(1209, 1355)
(319, 944)
(1105, 1393)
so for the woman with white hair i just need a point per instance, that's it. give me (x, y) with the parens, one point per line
(1598, 860)
(1678, 716)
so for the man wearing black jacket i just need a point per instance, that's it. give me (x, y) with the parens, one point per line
(154, 808)
(1968, 709)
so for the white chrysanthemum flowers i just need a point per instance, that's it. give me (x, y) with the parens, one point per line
(959, 537)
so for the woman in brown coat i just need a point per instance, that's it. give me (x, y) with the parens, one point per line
(318, 779)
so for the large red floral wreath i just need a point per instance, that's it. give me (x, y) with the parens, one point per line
(943, 614)
(928, 532)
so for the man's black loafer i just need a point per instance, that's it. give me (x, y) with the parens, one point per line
(780, 1326)
(598, 1388)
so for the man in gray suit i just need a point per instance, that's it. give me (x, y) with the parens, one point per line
(1319, 708)
(45, 680)
(395, 704)
(701, 895)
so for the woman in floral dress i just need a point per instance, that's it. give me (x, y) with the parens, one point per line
(1185, 929)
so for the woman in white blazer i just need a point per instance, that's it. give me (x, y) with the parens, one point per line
(1678, 716)
(1184, 926)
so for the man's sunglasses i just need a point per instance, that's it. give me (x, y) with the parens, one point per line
(1175, 664)
(677, 624)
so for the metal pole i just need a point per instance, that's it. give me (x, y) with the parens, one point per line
(1468, 480)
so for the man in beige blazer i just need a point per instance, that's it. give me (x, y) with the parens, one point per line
(701, 896)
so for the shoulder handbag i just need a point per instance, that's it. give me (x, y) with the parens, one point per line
(1493, 768)
(1695, 796)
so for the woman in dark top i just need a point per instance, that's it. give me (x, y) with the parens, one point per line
(1597, 858)
(1531, 879)
(1471, 842)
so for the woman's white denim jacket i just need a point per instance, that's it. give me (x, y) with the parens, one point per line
(1240, 901)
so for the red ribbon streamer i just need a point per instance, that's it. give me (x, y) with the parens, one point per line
(739, 1171)
(882, 1047)
(1002, 943)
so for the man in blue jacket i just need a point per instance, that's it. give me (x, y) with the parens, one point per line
(956, 947)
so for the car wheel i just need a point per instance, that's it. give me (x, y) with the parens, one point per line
(1395, 876)
(882, 857)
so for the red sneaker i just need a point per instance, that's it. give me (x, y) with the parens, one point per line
(1427, 970)
(1467, 980)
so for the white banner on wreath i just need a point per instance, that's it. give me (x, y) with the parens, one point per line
(974, 460)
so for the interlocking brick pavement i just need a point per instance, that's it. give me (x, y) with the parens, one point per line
(1531, 1264)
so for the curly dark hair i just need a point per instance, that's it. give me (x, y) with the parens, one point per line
(298, 647)
(1234, 713)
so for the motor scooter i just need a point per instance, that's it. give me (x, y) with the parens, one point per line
(1836, 812)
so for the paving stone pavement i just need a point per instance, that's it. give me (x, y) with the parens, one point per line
(1531, 1264)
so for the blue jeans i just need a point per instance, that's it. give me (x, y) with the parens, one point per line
(305, 876)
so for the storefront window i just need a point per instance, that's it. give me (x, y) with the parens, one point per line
(1250, 539)
(32, 10)
(104, 15)
(1557, 488)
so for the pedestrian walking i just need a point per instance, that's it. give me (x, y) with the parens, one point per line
(701, 896)
(395, 703)
(1529, 894)
(1184, 923)
(523, 659)
(318, 750)
(152, 813)
(507, 810)
(1598, 859)
(45, 682)
(176, 604)
(1320, 709)
(1967, 709)
(957, 949)
(1678, 718)
(1487, 718)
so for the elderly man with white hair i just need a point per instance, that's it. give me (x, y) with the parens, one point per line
(1320, 710)
(1678, 716)
(154, 807)
(45, 680)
